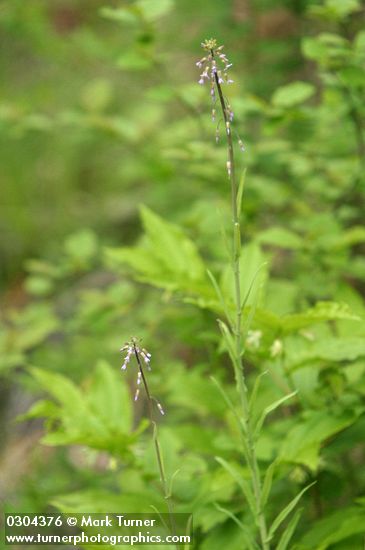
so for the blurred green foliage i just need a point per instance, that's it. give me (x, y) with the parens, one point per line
(115, 203)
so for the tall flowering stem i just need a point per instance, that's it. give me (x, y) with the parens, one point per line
(215, 66)
(143, 357)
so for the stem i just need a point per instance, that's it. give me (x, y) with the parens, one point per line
(161, 468)
(248, 432)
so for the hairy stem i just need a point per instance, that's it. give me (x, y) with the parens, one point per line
(248, 432)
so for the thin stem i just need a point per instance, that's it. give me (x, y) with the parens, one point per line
(248, 432)
(161, 468)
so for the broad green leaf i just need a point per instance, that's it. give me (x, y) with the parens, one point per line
(60, 387)
(101, 501)
(154, 9)
(108, 397)
(166, 258)
(78, 424)
(334, 528)
(171, 246)
(280, 237)
(38, 285)
(96, 96)
(337, 11)
(292, 94)
(190, 390)
(42, 408)
(99, 417)
(322, 311)
(82, 246)
(132, 60)
(30, 327)
(330, 350)
(122, 15)
(302, 443)
(285, 512)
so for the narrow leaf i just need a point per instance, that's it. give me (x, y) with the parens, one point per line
(270, 409)
(284, 513)
(241, 482)
(252, 284)
(266, 487)
(228, 338)
(219, 295)
(241, 186)
(255, 390)
(289, 531)
(253, 307)
(226, 399)
(247, 535)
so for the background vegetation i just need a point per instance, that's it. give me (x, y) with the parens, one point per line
(113, 194)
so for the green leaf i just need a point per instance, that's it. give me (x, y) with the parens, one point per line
(100, 501)
(251, 544)
(303, 441)
(328, 349)
(219, 295)
(60, 387)
(152, 10)
(334, 528)
(109, 399)
(226, 399)
(270, 409)
(132, 60)
(82, 246)
(99, 417)
(241, 186)
(122, 15)
(38, 285)
(255, 390)
(252, 262)
(242, 483)
(322, 311)
(228, 339)
(292, 94)
(32, 326)
(266, 486)
(285, 512)
(42, 408)
(280, 237)
(166, 258)
(289, 531)
(190, 390)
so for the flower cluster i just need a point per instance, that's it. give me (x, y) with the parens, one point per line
(215, 66)
(131, 348)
